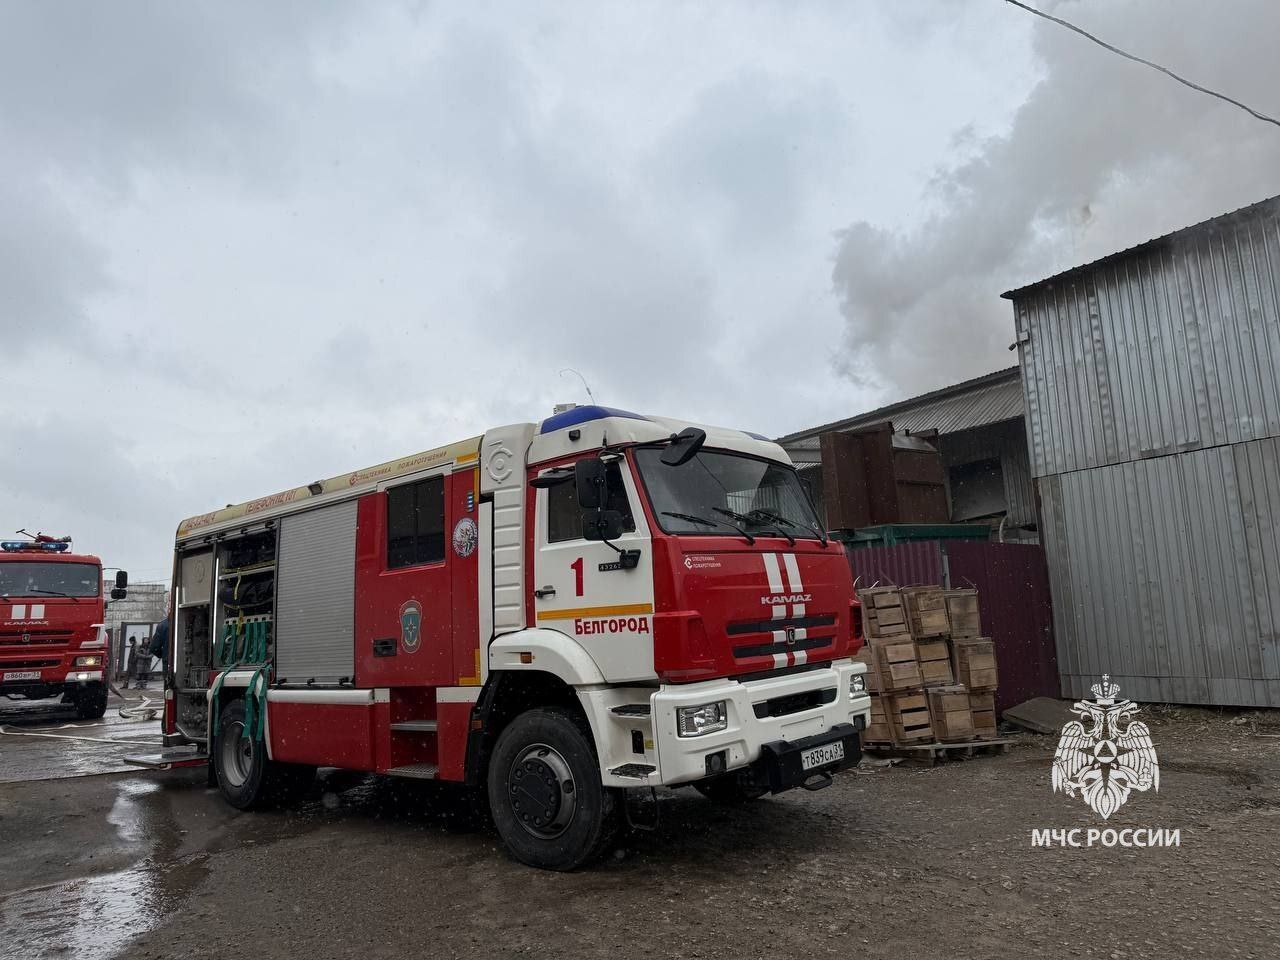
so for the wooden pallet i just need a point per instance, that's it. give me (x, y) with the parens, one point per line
(931, 753)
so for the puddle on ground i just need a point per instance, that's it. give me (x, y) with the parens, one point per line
(91, 918)
(126, 815)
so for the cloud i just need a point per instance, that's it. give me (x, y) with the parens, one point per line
(1103, 154)
(251, 245)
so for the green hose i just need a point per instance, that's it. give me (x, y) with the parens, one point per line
(245, 644)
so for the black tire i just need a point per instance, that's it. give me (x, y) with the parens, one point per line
(247, 779)
(730, 789)
(91, 702)
(545, 794)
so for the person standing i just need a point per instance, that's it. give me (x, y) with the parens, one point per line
(134, 665)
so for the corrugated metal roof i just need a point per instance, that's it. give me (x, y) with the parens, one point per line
(991, 398)
(1261, 208)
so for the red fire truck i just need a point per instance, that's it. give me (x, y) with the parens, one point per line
(52, 638)
(550, 613)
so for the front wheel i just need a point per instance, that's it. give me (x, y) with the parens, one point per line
(548, 803)
(247, 779)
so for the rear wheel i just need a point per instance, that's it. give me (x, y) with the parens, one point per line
(91, 701)
(246, 777)
(548, 803)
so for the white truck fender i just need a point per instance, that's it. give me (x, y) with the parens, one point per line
(547, 651)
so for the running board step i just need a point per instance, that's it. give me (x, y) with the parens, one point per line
(635, 771)
(415, 726)
(415, 771)
(631, 710)
(167, 759)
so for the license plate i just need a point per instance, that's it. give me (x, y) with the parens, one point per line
(22, 675)
(821, 756)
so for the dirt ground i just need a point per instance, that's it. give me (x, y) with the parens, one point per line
(889, 862)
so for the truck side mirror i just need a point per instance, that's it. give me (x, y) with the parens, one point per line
(122, 579)
(601, 524)
(684, 446)
(119, 593)
(589, 479)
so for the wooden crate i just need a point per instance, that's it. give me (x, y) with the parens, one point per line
(883, 618)
(934, 657)
(926, 612)
(897, 667)
(963, 615)
(983, 708)
(950, 713)
(879, 730)
(974, 661)
(908, 717)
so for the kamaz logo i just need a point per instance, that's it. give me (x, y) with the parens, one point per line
(786, 598)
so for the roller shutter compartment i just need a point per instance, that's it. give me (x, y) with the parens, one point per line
(315, 595)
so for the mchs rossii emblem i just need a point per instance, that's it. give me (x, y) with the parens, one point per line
(1108, 755)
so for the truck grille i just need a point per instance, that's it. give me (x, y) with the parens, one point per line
(27, 664)
(32, 637)
(793, 703)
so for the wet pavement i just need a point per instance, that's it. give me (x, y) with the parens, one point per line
(888, 862)
(42, 739)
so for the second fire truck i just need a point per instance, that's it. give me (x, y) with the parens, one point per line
(52, 640)
(551, 613)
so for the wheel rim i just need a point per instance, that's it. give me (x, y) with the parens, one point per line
(542, 792)
(235, 757)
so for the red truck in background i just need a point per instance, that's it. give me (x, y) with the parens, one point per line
(53, 640)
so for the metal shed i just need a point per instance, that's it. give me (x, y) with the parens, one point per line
(1152, 386)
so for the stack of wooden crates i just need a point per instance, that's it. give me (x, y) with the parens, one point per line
(931, 673)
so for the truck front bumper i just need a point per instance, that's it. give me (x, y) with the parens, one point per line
(49, 681)
(769, 722)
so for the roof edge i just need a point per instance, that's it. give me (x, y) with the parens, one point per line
(882, 413)
(1260, 208)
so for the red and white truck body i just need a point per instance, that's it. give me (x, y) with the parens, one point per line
(52, 639)
(442, 615)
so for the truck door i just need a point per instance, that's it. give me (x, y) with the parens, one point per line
(404, 604)
(580, 587)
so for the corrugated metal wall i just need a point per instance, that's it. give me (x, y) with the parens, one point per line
(1166, 574)
(1153, 406)
(903, 565)
(1176, 347)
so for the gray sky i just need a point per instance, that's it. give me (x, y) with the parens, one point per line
(243, 246)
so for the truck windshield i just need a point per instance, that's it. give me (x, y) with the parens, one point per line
(34, 579)
(756, 496)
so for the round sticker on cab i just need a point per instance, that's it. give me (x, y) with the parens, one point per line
(410, 625)
(465, 537)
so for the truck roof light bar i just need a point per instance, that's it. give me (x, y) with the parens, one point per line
(16, 546)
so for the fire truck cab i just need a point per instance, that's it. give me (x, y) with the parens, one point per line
(549, 613)
(52, 638)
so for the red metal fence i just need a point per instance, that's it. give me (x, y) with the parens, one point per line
(1013, 593)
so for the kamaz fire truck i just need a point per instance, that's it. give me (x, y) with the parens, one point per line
(52, 639)
(550, 613)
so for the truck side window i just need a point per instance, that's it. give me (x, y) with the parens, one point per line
(415, 523)
(564, 516)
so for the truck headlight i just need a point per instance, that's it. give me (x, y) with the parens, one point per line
(857, 685)
(702, 719)
(91, 661)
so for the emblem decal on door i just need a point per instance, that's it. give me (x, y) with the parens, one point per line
(465, 537)
(410, 626)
